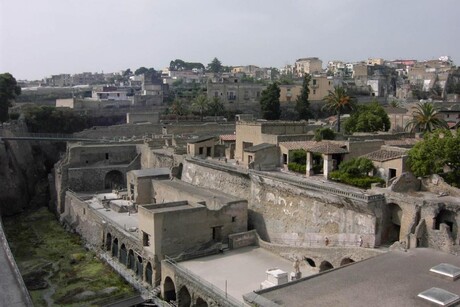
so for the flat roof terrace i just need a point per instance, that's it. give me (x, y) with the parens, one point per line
(124, 220)
(391, 279)
(243, 270)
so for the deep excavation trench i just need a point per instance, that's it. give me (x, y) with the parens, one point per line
(56, 267)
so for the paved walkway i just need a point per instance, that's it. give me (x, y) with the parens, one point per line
(13, 292)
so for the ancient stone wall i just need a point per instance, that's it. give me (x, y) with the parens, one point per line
(284, 213)
(333, 255)
(281, 212)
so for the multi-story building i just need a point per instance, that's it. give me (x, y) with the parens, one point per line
(308, 65)
(319, 86)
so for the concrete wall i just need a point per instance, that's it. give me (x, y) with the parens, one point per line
(359, 148)
(147, 117)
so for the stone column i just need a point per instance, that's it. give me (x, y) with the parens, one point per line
(327, 165)
(309, 171)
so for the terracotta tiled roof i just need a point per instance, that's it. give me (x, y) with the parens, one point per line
(228, 137)
(384, 155)
(328, 149)
(305, 145)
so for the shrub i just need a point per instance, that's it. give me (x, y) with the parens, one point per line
(357, 167)
(298, 168)
(363, 182)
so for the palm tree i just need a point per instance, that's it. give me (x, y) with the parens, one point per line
(201, 104)
(338, 101)
(425, 118)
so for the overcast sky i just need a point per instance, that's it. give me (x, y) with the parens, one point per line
(44, 37)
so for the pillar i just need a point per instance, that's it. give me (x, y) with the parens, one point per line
(309, 171)
(327, 165)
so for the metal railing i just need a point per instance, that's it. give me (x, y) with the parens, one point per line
(213, 291)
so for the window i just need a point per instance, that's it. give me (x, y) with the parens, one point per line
(314, 92)
(106, 155)
(145, 239)
(314, 81)
(233, 219)
(200, 151)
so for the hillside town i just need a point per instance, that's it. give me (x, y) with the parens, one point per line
(247, 186)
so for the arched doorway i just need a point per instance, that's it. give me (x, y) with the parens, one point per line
(123, 254)
(184, 298)
(108, 242)
(139, 267)
(114, 179)
(148, 273)
(392, 222)
(131, 260)
(169, 290)
(311, 262)
(325, 265)
(447, 217)
(346, 261)
(115, 248)
(200, 303)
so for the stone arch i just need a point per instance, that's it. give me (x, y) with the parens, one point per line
(123, 254)
(310, 261)
(149, 273)
(114, 179)
(139, 267)
(115, 248)
(447, 217)
(346, 260)
(108, 242)
(200, 303)
(131, 262)
(169, 289)
(183, 298)
(325, 265)
(392, 224)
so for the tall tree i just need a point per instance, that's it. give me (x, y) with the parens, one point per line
(270, 102)
(368, 118)
(437, 150)
(215, 66)
(200, 103)
(9, 90)
(179, 107)
(338, 101)
(425, 118)
(302, 104)
(216, 107)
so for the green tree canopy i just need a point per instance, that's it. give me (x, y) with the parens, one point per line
(324, 134)
(9, 90)
(425, 118)
(179, 64)
(215, 66)
(302, 104)
(357, 167)
(270, 102)
(438, 150)
(338, 101)
(200, 104)
(141, 70)
(216, 107)
(368, 118)
(179, 107)
(50, 119)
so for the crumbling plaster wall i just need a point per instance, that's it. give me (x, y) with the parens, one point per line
(284, 213)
